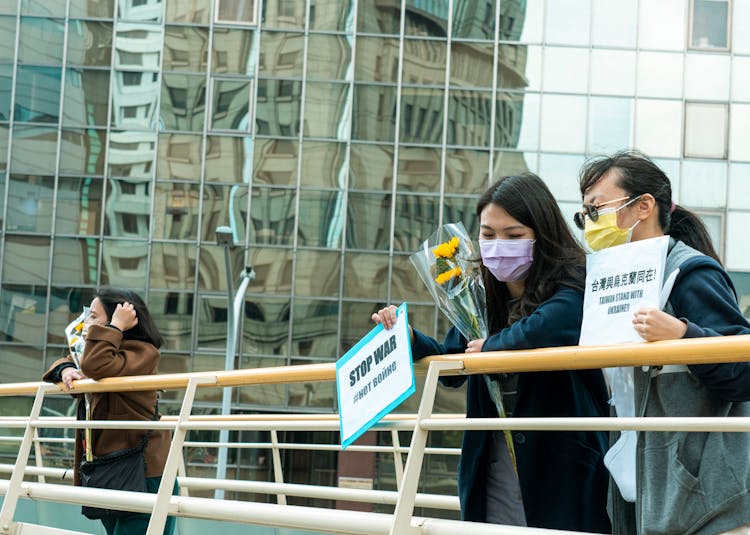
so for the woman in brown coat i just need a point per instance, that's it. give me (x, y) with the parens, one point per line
(121, 340)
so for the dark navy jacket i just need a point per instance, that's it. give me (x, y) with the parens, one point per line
(563, 479)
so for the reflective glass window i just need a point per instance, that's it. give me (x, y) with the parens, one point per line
(426, 18)
(173, 313)
(131, 154)
(355, 320)
(662, 25)
(82, 151)
(281, 54)
(140, 10)
(374, 112)
(234, 51)
(3, 156)
(424, 62)
(37, 94)
(407, 286)
(125, 263)
(275, 161)
(323, 218)
(563, 124)
(327, 110)
(533, 21)
(273, 269)
(185, 49)
(221, 205)
(86, 97)
(283, 14)
(614, 23)
(739, 118)
(179, 156)
(104, 9)
(212, 326)
(41, 41)
(738, 253)
(567, 22)
(705, 130)
(89, 43)
(658, 127)
(34, 150)
(138, 46)
(475, 20)
(710, 24)
(371, 167)
(134, 97)
(739, 186)
(471, 64)
(190, 11)
(560, 173)
(516, 112)
(660, 74)
(704, 184)
(460, 208)
(332, 15)
(740, 79)
(740, 39)
(365, 275)
(230, 105)
(324, 164)
(418, 169)
(266, 326)
(228, 159)
(376, 59)
(75, 261)
(469, 118)
(329, 57)
(466, 171)
(183, 102)
(613, 72)
(566, 69)
(422, 113)
(236, 11)
(277, 110)
(514, 61)
(368, 221)
(26, 260)
(8, 43)
(176, 212)
(610, 124)
(317, 273)
(127, 209)
(6, 83)
(373, 17)
(314, 334)
(79, 206)
(173, 266)
(512, 163)
(272, 214)
(707, 77)
(30, 200)
(22, 312)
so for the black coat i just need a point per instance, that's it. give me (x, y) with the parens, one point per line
(562, 475)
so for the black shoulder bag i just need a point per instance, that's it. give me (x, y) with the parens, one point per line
(119, 470)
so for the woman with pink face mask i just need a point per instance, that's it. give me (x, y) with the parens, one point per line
(533, 271)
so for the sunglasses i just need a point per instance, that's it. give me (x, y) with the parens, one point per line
(592, 211)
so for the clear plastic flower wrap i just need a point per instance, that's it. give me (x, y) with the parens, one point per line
(76, 344)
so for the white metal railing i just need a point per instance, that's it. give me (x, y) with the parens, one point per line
(404, 499)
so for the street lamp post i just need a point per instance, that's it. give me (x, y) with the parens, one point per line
(225, 238)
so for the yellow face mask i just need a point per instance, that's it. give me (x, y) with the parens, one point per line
(604, 232)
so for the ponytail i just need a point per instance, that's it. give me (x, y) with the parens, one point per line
(688, 228)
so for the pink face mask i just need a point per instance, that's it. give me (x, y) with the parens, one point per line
(507, 260)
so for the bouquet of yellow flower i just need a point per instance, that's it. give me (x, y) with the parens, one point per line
(448, 264)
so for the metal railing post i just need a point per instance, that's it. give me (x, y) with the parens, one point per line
(163, 498)
(14, 485)
(278, 472)
(38, 456)
(410, 480)
(398, 462)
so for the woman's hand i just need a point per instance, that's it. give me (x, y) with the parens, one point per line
(475, 346)
(69, 375)
(124, 317)
(653, 325)
(386, 317)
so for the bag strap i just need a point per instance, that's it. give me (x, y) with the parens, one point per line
(147, 436)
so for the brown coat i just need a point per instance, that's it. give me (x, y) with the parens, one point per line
(108, 355)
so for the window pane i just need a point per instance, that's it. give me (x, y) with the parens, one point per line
(563, 123)
(660, 74)
(613, 72)
(738, 253)
(8, 43)
(418, 169)
(283, 14)
(6, 83)
(138, 45)
(185, 49)
(125, 263)
(192, 12)
(275, 161)
(131, 154)
(173, 266)
(332, 15)
(323, 213)
(374, 113)
(614, 23)
(230, 106)
(658, 127)
(38, 94)
(173, 313)
(567, 22)
(323, 164)
(474, 20)
(273, 269)
(176, 211)
(281, 54)
(86, 100)
(407, 286)
(317, 273)
(228, 159)
(466, 171)
(560, 173)
(707, 77)
(179, 156)
(366, 275)
(22, 311)
(661, 25)
(272, 212)
(329, 57)
(104, 9)
(610, 123)
(89, 43)
(566, 69)
(74, 262)
(26, 260)
(459, 208)
(41, 41)
(422, 114)
(704, 184)
(371, 167)
(740, 39)
(416, 218)
(740, 132)
(3, 156)
(740, 78)
(242, 11)
(314, 334)
(373, 17)
(30, 203)
(710, 24)
(739, 186)
(34, 150)
(705, 130)
(471, 65)
(82, 151)
(127, 209)
(424, 62)
(368, 221)
(327, 111)
(376, 59)
(224, 205)
(134, 96)
(79, 206)
(183, 102)
(234, 51)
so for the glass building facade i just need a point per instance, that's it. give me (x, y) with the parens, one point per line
(332, 136)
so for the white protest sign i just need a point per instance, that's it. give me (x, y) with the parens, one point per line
(619, 281)
(374, 377)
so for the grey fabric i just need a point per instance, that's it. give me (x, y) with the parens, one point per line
(504, 503)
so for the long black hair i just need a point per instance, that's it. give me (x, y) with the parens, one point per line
(558, 257)
(637, 174)
(145, 330)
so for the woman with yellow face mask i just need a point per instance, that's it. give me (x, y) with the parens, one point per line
(686, 483)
